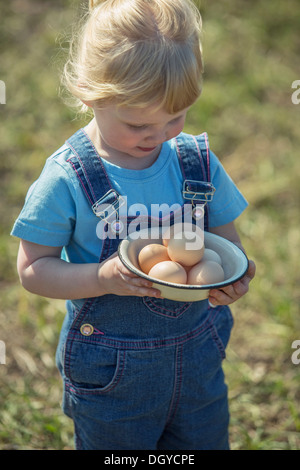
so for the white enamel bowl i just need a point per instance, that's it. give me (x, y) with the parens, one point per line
(234, 263)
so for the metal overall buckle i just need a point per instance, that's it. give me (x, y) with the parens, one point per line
(199, 193)
(107, 209)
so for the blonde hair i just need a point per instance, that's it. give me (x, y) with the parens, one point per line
(138, 53)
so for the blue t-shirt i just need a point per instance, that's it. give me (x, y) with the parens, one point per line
(57, 213)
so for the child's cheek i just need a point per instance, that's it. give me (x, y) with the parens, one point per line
(177, 130)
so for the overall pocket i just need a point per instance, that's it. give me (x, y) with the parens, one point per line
(165, 307)
(93, 368)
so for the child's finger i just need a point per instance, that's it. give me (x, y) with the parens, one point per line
(218, 297)
(141, 287)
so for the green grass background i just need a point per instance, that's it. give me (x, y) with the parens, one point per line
(251, 52)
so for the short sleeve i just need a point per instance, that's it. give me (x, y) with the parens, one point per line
(49, 214)
(228, 202)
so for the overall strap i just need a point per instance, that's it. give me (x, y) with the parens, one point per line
(193, 154)
(90, 171)
(194, 159)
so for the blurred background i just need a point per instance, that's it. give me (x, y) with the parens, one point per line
(251, 53)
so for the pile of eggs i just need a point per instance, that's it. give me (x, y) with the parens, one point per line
(178, 262)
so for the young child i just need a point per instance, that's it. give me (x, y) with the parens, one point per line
(139, 371)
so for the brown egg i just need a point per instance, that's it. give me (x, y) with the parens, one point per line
(205, 272)
(169, 271)
(211, 255)
(152, 254)
(186, 250)
(179, 227)
(185, 243)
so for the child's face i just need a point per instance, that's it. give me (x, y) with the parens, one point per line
(136, 132)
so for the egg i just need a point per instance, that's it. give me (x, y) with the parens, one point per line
(178, 228)
(152, 254)
(211, 255)
(169, 271)
(186, 250)
(205, 272)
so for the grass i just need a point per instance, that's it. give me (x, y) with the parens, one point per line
(251, 57)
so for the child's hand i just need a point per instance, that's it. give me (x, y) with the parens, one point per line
(115, 278)
(229, 294)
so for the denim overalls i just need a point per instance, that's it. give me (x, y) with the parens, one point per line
(141, 372)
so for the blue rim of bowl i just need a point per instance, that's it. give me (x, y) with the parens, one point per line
(187, 286)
